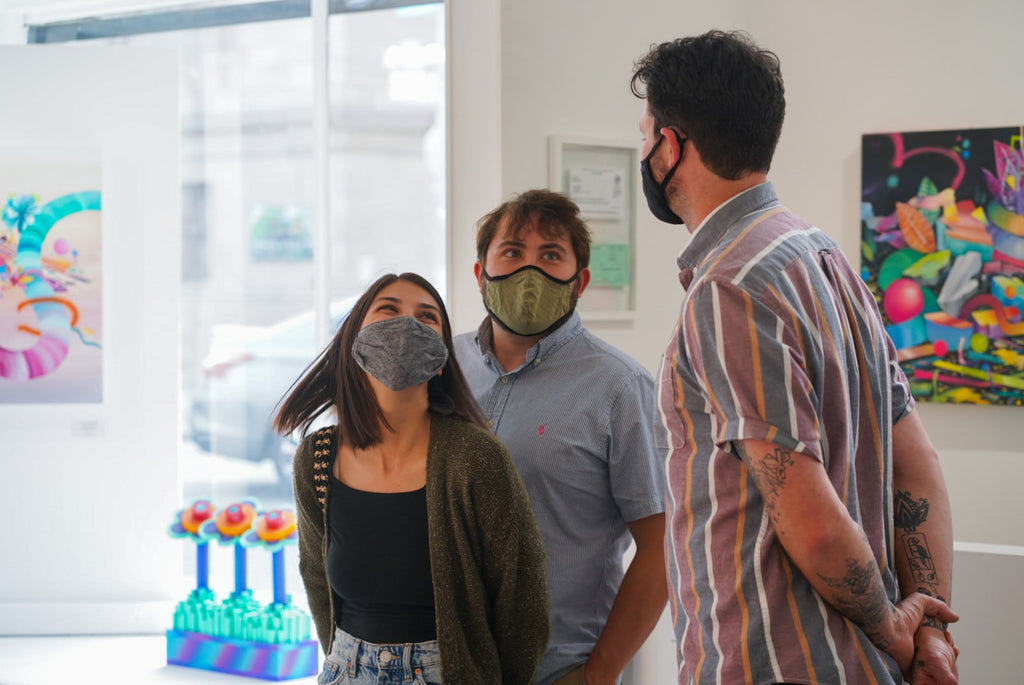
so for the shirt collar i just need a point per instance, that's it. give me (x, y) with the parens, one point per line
(711, 231)
(545, 346)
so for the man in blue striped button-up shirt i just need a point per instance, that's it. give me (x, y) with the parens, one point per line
(578, 417)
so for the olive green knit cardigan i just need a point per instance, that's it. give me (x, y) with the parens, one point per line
(486, 553)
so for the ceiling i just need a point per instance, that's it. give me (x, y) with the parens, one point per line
(39, 11)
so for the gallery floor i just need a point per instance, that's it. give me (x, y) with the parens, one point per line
(102, 660)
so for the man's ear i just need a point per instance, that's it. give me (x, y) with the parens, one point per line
(583, 278)
(478, 271)
(671, 143)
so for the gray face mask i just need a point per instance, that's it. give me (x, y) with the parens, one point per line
(400, 352)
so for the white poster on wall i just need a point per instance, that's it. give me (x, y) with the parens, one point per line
(600, 192)
(90, 193)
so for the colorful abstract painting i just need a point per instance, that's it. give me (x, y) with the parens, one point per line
(942, 219)
(51, 337)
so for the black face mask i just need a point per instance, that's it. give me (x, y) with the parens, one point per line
(654, 191)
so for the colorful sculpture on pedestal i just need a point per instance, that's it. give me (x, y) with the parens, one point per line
(240, 635)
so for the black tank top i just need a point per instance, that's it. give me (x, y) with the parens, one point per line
(378, 564)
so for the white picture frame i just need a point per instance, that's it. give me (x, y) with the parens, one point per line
(600, 175)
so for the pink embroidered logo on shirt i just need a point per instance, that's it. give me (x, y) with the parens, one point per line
(540, 429)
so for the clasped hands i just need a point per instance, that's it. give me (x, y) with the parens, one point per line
(923, 649)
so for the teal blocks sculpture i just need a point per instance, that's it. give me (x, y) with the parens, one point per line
(239, 635)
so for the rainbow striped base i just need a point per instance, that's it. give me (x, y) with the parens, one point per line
(282, 661)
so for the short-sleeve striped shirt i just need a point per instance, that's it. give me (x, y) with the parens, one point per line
(578, 418)
(778, 340)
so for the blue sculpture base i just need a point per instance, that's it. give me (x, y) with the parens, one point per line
(283, 661)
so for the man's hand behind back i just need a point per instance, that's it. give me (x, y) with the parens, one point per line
(934, 658)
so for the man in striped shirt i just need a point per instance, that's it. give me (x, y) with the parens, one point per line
(808, 516)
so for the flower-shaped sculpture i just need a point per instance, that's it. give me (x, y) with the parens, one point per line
(239, 635)
(198, 610)
(274, 530)
(186, 524)
(231, 522)
(188, 520)
(228, 527)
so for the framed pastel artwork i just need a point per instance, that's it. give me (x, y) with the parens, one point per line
(51, 318)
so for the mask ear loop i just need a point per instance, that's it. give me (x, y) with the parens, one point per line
(671, 172)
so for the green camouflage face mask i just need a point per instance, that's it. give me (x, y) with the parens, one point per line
(529, 301)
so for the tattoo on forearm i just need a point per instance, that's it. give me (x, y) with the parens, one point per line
(861, 598)
(907, 513)
(922, 566)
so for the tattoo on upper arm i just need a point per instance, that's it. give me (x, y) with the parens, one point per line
(769, 471)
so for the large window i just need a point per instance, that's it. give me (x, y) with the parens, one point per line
(247, 262)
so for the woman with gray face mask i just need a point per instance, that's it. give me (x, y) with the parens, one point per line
(417, 546)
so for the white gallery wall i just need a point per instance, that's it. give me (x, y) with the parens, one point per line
(850, 68)
(875, 67)
(87, 491)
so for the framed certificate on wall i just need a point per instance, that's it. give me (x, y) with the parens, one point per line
(600, 177)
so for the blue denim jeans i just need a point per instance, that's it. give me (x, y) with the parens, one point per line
(355, 662)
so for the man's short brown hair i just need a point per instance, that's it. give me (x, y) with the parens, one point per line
(552, 214)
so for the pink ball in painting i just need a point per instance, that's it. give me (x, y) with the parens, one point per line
(903, 300)
(61, 246)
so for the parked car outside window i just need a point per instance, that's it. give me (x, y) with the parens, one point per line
(246, 372)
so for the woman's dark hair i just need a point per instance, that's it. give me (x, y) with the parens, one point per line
(335, 381)
(723, 92)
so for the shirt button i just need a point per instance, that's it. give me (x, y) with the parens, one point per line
(490, 423)
(504, 379)
(537, 362)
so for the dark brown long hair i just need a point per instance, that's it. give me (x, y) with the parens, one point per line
(335, 381)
